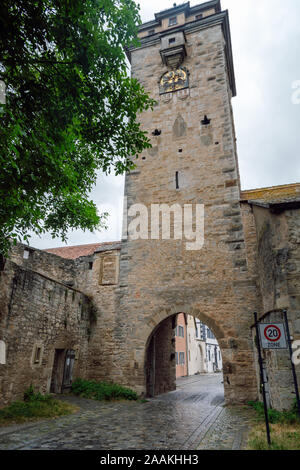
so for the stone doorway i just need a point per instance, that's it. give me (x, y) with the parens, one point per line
(62, 371)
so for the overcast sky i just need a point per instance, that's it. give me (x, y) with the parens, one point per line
(266, 52)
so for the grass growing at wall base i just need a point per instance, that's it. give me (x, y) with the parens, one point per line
(34, 406)
(284, 429)
(102, 390)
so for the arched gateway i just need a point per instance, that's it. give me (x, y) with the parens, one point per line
(160, 355)
(191, 170)
(192, 243)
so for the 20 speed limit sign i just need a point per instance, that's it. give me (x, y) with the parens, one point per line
(273, 336)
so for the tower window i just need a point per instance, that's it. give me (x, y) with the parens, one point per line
(37, 354)
(2, 352)
(151, 31)
(172, 20)
(172, 40)
(205, 121)
(199, 17)
(177, 180)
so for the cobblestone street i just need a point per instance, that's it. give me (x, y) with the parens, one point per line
(192, 417)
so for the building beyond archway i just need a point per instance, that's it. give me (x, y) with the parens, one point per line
(168, 354)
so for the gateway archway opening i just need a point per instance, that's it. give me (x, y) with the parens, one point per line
(181, 346)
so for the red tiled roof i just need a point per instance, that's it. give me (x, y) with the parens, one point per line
(73, 252)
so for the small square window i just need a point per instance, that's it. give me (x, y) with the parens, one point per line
(172, 20)
(172, 40)
(151, 31)
(199, 17)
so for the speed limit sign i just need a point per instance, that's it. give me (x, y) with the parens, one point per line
(273, 336)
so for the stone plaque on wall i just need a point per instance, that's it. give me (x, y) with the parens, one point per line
(109, 270)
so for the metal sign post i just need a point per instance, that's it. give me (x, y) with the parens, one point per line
(262, 380)
(293, 365)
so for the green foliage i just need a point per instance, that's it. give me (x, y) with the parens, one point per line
(102, 390)
(284, 429)
(282, 439)
(31, 396)
(35, 406)
(275, 416)
(71, 111)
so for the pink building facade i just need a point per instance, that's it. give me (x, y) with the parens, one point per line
(181, 346)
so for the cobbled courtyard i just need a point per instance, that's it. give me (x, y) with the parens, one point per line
(192, 417)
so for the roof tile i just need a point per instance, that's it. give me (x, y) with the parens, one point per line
(74, 252)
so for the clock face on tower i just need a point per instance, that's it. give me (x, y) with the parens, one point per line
(173, 81)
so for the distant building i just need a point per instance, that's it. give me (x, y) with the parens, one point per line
(204, 354)
(196, 348)
(181, 346)
(213, 352)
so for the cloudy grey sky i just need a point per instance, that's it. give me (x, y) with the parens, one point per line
(266, 52)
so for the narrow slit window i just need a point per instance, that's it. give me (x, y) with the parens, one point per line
(177, 179)
(2, 352)
(37, 355)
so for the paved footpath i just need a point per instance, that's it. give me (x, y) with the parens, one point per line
(192, 417)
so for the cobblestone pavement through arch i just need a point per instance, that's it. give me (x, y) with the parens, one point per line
(192, 417)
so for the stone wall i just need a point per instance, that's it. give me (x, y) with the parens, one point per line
(115, 308)
(50, 265)
(160, 366)
(98, 276)
(279, 275)
(38, 316)
(159, 278)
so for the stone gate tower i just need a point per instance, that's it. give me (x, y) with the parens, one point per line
(184, 62)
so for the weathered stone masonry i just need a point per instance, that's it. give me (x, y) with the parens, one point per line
(276, 216)
(161, 278)
(39, 315)
(114, 309)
